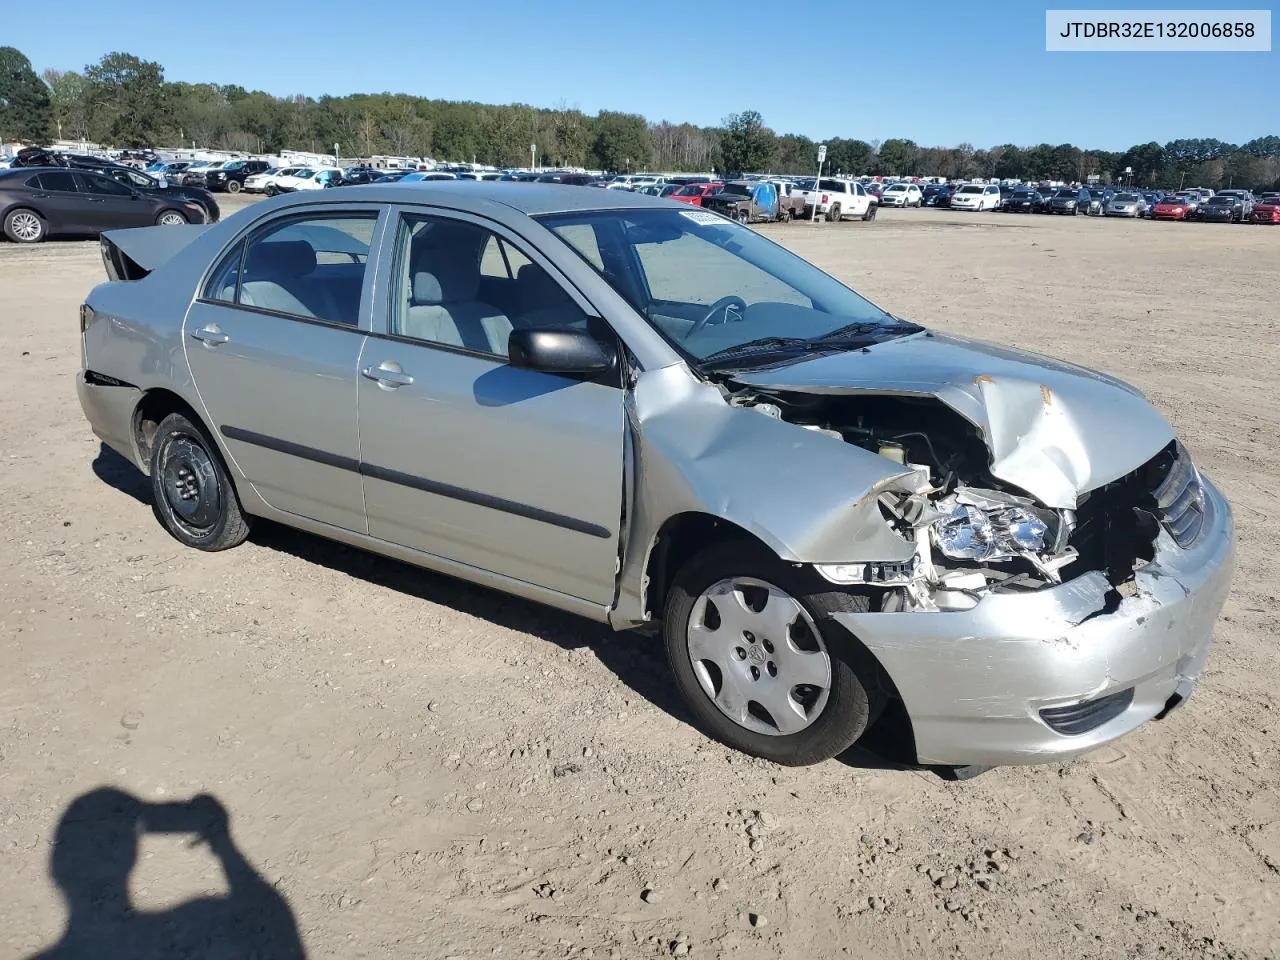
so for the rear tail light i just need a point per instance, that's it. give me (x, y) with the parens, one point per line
(86, 316)
(825, 198)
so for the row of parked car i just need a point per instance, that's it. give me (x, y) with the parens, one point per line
(1224, 206)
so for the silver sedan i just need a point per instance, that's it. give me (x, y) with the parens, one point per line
(1128, 204)
(654, 417)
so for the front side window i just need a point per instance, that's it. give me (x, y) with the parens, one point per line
(710, 286)
(307, 267)
(457, 284)
(104, 186)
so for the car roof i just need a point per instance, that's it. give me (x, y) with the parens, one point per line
(478, 196)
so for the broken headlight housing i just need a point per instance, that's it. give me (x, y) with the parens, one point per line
(982, 526)
(971, 533)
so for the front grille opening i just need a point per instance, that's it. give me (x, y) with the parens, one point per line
(1117, 524)
(1080, 718)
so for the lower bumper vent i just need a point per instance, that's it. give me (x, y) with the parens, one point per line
(1082, 717)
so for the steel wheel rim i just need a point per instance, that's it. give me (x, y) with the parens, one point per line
(758, 656)
(190, 485)
(171, 219)
(25, 226)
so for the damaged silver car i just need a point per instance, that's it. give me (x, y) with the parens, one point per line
(651, 416)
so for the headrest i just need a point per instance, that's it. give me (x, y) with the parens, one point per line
(280, 258)
(536, 287)
(443, 276)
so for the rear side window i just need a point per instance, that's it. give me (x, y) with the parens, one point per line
(307, 267)
(60, 180)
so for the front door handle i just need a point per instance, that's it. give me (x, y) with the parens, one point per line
(388, 374)
(210, 335)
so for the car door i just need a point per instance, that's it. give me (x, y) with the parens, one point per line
(59, 200)
(273, 343)
(464, 456)
(112, 204)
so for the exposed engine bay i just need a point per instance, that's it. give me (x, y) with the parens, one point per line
(974, 533)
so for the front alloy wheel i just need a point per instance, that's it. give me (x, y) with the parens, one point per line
(759, 661)
(171, 218)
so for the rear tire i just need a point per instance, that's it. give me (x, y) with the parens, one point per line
(839, 715)
(834, 215)
(24, 226)
(192, 496)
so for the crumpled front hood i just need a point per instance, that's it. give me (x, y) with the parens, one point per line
(1053, 429)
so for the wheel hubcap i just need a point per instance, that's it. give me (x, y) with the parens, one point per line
(171, 220)
(758, 656)
(26, 226)
(190, 484)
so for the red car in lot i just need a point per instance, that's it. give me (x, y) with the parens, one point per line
(694, 192)
(1267, 209)
(1173, 208)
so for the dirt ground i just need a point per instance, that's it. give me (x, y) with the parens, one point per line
(418, 768)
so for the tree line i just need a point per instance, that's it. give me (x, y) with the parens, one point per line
(124, 101)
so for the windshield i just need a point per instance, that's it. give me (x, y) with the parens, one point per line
(737, 189)
(1097, 194)
(971, 189)
(1222, 201)
(233, 165)
(711, 286)
(1127, 197)
(1067, 193)
(305, 174)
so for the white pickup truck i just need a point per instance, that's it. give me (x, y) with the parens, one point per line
(836, 198)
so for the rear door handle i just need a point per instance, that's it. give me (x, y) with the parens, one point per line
(388, 374)
(210, 335)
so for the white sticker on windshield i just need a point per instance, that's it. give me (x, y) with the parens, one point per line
(703, 217)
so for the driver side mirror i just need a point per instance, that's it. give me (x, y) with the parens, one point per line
(559, 351)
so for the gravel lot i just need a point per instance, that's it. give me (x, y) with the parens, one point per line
(420, 768)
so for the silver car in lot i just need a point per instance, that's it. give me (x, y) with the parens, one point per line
(835, 519)
(1130, 203)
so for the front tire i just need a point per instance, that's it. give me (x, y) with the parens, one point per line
(171, 218)
(192, 496)
(761, 663)
(871, 211)
(234, 186)
(271, 190)
(24, 226)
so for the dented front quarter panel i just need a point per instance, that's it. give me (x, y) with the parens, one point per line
(1053, 429)
(974, 681)
(811, 498)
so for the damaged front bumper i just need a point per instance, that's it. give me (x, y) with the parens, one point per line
(975, 682)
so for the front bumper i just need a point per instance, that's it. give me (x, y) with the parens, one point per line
(974, 682)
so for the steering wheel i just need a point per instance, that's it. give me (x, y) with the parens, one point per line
(722, 305)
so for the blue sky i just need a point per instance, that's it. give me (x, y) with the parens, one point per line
(937, 73)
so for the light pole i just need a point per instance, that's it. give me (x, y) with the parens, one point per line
(533, 157)
(337, 154)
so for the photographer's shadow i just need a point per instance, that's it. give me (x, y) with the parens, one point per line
(94, 851)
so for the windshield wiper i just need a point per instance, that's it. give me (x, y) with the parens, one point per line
(761, 346)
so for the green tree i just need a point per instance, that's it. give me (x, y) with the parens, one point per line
(898, 157)
(746, 144)
(621, 141)
(128, 100)
(69, 100)
(25, 112)
(853, 157)
(796, 154)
